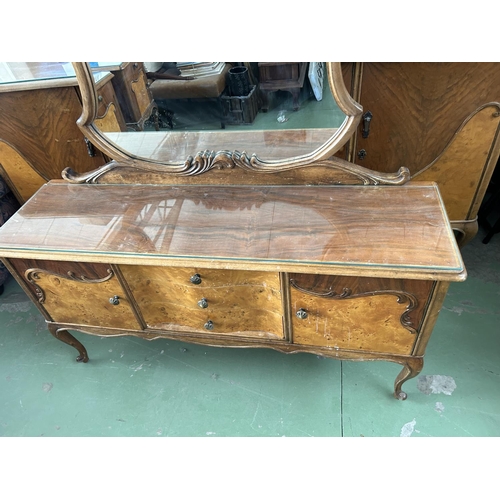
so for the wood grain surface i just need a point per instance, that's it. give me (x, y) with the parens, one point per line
(364, 314)
(238, 302)
(459, 170)
(69, 300)
(22, 177)
(41, 125)
(369, 231)
(417, 108)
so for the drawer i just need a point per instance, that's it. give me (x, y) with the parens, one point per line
(359, 314)
(78, 293)
(208, 300)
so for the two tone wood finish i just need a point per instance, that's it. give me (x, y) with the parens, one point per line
(349, 272)
(39, 137)
(440, 120)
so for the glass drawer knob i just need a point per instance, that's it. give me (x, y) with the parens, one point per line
(209, 325)
(114, 300)
(203, 303)
(195, 279)
(301, 314)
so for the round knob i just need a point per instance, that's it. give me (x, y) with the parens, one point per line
(203, 303)
(114, 300)
(301, 314)
(195, 279)
(209, 325)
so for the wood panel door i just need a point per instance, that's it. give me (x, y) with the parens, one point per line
(417, 108)
(78, 293)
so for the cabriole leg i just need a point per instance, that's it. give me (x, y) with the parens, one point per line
(66, 337)
(411, 368)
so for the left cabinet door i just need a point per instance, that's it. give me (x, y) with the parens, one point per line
(78, 293)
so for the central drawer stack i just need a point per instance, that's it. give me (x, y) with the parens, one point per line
(221, 301)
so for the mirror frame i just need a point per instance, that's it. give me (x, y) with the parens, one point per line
(206, 160)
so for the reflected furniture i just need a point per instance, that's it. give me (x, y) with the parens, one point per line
(134, 96)
(288, 76)
(200, 87)
(440, 120)
(298, 252)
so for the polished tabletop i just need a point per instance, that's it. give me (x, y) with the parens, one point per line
(348, 230)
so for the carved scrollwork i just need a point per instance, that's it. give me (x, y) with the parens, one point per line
(33, 274)
(207, 160)
(402, 297)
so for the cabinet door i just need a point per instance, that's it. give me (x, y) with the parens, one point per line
(208, 300)
(415, 111)
(78, 293)
(358, 314)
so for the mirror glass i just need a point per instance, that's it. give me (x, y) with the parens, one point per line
(273, 111)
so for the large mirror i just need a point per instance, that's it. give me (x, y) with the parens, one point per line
(263, 116)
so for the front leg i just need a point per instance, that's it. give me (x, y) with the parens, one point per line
(411, 368)
(66, 337)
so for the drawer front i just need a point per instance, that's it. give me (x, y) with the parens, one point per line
(359, 314)
(208, 300)
(78, 293)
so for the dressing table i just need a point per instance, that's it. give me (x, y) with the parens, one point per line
(238, 238)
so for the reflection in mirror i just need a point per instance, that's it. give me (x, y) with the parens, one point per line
(268, 115)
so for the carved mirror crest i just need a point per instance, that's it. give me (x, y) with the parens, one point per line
(257, 149)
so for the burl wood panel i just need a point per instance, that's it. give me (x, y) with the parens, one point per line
(369, 317)
(41, 125)
(458, 171)
(68, 300)
(238, 302)
(24, 179)
(417, 107)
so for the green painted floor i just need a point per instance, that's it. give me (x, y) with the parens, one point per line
(133, 387)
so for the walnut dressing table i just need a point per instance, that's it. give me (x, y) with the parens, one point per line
(352, 272)
(309, 254)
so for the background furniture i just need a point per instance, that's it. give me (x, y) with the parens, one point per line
(274, 76)
(39, 106)
(202, 86)
(440, 120)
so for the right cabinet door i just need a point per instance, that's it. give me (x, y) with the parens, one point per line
(377, 315)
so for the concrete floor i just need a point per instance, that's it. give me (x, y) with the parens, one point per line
(133, 387)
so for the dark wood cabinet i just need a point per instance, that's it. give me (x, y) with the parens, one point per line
(287, 76)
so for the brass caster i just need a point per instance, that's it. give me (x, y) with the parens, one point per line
(82, 359)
